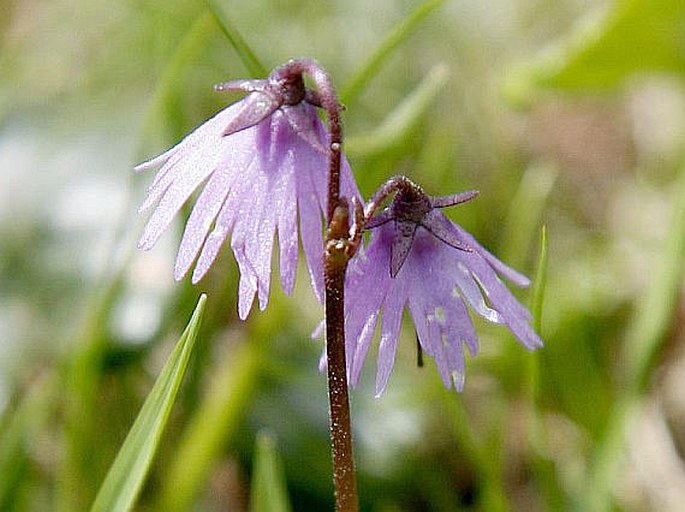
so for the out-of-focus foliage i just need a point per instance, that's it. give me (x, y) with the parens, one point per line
(569, 114)
(612, 43)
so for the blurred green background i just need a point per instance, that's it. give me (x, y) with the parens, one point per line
(568, 114)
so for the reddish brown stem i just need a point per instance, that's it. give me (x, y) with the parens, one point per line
(337, 255)
(344, 477)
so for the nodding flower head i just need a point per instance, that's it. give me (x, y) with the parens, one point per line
(418, 257)
(262, 162)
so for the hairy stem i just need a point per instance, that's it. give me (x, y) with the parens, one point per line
(337, 254)
(335, 266)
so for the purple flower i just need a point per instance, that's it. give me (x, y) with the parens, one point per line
(263, 161)
(418, 257)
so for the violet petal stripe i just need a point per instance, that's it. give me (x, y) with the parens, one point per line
(361, 348)
(259, 244)
(311, 232)
(247, 286)
(468, 288)
(204, 213)
(393, 307)
(286, 214)
(249, 213)
(449, 261)
(505, 271)
(366, 285)
(515, 315)
(224, 223)
(192, 159)
(419, 315)
(446, 311)
(435, 338)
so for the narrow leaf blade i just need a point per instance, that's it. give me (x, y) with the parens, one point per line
(129, 470)
(268, 492)
(247, 56)
(374, 63)
(401, 122)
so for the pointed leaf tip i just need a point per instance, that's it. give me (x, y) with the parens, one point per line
(129, 470)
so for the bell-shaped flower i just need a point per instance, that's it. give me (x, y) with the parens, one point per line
(419, 258)
(261, 163)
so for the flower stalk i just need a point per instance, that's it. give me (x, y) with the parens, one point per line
(335, 267)
(338, 251)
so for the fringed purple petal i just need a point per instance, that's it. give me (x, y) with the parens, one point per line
(439, 308)
(390, 329)
(224, 222)
(285, 209)
(357, 357)
(264, 162)
(441, 270)
(204, 213)
(366, 286)
(187, 165)
(253, 235)
(311, 233)
(448, 261)
(515, 315)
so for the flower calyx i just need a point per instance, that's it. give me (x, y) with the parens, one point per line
(283, 88)
(410, 208)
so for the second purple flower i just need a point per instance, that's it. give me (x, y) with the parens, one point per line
(419, 258)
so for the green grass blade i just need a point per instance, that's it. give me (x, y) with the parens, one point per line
(538, 293)
(653, 315)
(525, 212)
(215, 422)
(537, 297)
(17, 430)
(268, 493)
(401, 122)
(374, 63)
(247, 56)
(163, 123)
(127, 474)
